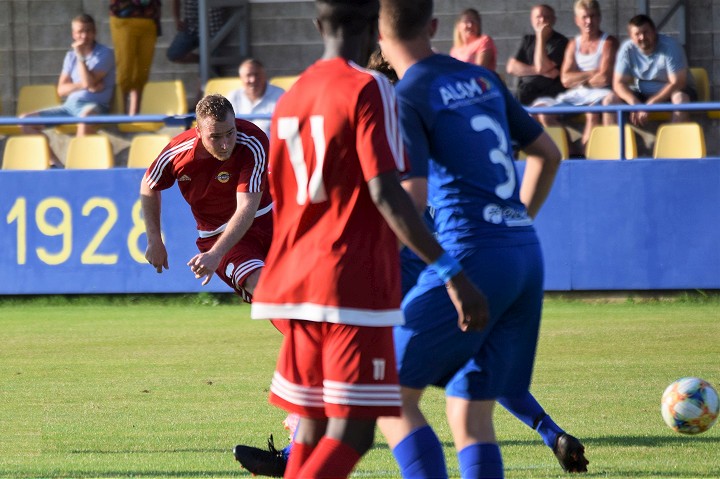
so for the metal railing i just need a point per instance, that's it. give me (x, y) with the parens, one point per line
(169, 120)
(187, 119)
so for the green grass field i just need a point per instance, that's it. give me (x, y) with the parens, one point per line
(163, 387)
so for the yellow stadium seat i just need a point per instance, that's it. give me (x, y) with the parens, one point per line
(680, 140)
(284, 82)
(144, 148)
(559, 136)
(702, 83)
(89, 152)
(159, 98)
(222, 85)
(37, 97)
(604, 143)
(32, 98)
(26, 152)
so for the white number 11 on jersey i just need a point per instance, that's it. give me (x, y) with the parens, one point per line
(289, 130)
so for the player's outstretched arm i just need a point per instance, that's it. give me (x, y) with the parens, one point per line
(398, 210)
(150, 201)
(542, 163)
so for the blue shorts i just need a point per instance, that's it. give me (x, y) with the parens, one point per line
(75, 108)
(495, 362)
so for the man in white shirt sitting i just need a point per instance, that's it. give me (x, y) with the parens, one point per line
(256, 96)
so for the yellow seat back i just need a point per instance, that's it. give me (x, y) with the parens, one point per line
(159, 98)
(284, 82)
(559, 136)
(89, 152)
(144, 148)
(702, 83)
(223, 85)
(26, 152)
(32, 98)
(604, 143)
(37, 97)
(680, 140)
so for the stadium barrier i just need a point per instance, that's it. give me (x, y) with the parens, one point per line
(607, 225)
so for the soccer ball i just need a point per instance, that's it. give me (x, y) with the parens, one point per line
(690, 405)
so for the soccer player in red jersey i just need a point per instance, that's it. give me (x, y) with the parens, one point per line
(332, 275)
(221, 169)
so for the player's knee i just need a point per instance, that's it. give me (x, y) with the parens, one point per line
(251, 281)
(358, 434)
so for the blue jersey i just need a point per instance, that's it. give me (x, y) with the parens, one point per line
(459, 126)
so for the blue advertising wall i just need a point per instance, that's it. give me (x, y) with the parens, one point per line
(640, 224)
(81, 231)
(607, 225)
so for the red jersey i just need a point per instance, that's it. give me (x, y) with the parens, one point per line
(210, 185)
(333, 257)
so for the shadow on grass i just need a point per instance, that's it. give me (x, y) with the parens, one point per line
(639, 441)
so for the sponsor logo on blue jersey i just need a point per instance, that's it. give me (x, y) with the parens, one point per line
(463, 92)
(497, 214)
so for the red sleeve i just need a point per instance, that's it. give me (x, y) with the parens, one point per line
(252, 145)
(160, 175)
(379, 143)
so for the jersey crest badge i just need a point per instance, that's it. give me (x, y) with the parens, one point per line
(223, 177)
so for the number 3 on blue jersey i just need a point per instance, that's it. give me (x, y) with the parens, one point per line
(289, 130)
(499, 155)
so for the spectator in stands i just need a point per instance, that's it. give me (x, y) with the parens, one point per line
(87, 80)
(134, 26)
(538, 61)
(650, 68)
(469, 43)
(257, 95)
(187, 22)
(587, 67)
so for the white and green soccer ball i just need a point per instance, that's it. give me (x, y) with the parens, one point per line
(690, 405)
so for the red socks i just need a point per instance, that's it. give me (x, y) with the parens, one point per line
(330, 459)
(298, 456)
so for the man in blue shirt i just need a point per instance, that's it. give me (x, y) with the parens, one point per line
(459, 121)
(650, 68)
(87, 79)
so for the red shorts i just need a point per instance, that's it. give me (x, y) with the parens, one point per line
(242, 259)
(336, 370)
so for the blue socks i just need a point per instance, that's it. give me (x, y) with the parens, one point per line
(286, 450)
(481, 461)
(549, 431)
(530, 412)
(420, 455)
